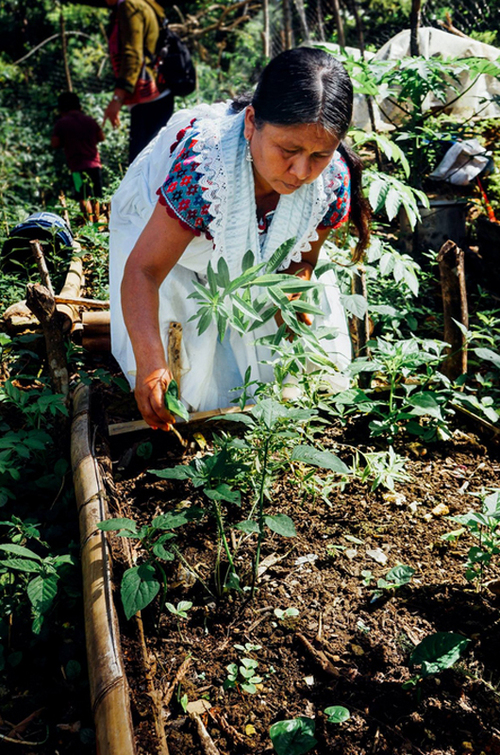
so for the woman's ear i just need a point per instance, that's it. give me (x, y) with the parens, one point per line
(250, 126)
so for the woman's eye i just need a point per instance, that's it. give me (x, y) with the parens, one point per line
(289, 151)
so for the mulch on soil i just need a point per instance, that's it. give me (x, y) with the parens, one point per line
(347, 646)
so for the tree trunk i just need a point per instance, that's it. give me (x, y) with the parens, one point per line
(287, 26)
(69, 83)
(454, 293)
(416, 6)
(338, 23)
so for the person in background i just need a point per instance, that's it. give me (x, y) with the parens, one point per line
(79, 134)
(134, 30)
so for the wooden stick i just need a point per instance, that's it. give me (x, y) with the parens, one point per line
(81, 302)
(174, 352)
(39, 256)
(319, 657)
(71, 288)
(41, 302)
(181, 673)
(120, 428)
(207, 742)
(454, 293)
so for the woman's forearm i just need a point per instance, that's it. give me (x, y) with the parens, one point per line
(140, 304)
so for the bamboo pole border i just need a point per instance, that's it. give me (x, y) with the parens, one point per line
(109, 692)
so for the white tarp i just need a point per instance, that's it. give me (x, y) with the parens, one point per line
(477, 102)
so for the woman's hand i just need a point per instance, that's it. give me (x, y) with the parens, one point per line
(150, 396)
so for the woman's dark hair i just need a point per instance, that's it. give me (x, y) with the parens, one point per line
(307, 85)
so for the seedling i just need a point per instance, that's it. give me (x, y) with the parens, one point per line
(485, 527)
(434, 654)
(395, 578)
(336, 714)
(294, 736)
(181, 612)
(244, 675)
(173, 402)
(141, 584)
(287, 613)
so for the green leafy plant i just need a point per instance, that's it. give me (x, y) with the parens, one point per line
(337, 714)
(141, 584)
(484, 526)
(434, 654)
(294, 736)
(244, 675)
(397, 577)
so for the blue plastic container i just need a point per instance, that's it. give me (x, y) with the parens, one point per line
(46, 227)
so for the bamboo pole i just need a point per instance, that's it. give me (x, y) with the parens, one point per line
(109, 692)
(82, 302)
(266, 33)
(71, 289)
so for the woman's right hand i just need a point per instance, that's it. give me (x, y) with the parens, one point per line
(150, 396)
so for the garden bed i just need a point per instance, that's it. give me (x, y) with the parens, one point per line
(345, 642)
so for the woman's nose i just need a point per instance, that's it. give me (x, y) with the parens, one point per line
(301, 167)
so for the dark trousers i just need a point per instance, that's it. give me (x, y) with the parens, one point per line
(145, 122)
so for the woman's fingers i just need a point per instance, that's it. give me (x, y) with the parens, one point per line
(150, 397)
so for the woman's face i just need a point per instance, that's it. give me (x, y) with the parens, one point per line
(286, 157)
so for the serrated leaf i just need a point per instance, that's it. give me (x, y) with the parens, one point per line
(280, 254)
(138, 588)
(22, 564)
(317, 458)
(19, 550)
(281, 524)
(42, 591)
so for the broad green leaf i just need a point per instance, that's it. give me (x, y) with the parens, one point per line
(180, 472)
(269, 412)
(425, 404)
(248, 526)
(173, 519)
(281, 524)
(491, 505)
(161, 552)
(42, 591)
(117, 524)
(438, 652)
(322, 459)
(293, 737)
(489, 355)
(224, 493)
(337, 714)
(23, 564)
(173, 403)
(354, 304)
(138, 589)
(19, 550)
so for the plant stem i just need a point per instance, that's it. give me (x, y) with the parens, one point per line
(261, 514)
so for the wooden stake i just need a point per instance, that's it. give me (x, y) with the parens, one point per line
(338, 23)
(41, 303)
(174, 352)
(64, 45)
(454, 293)
(37, 251)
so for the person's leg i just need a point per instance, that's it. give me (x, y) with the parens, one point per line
(145, 122)
(95, 174)
(81, 194)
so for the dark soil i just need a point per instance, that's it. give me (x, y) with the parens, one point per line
(347, 646)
